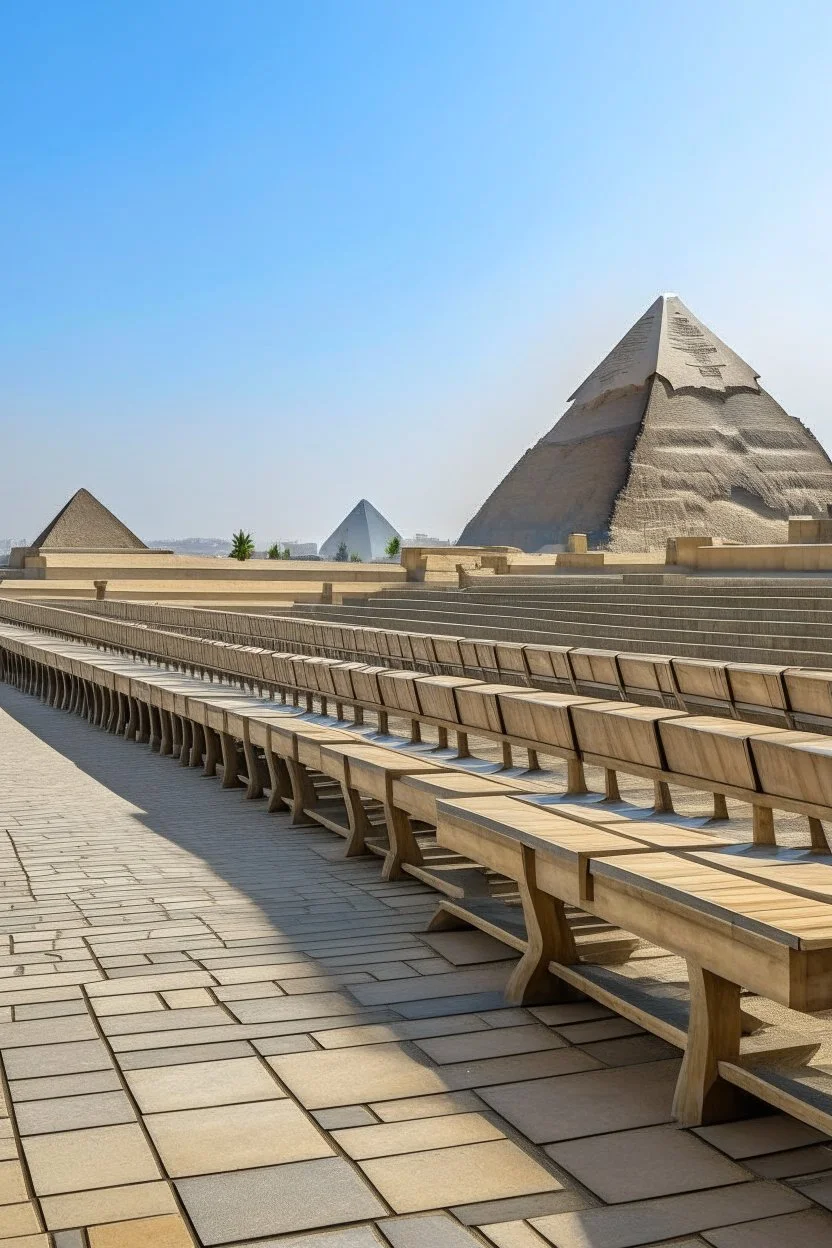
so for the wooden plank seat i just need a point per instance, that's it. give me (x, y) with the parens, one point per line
(732, 932)
(363, 773)
(518, 840)
(298, 744)
(412, 847)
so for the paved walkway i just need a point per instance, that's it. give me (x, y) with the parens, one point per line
(214, 1030)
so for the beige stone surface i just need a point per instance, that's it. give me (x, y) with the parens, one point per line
(101, 1205)
(410, 1137)
(165, 1232)
(72, 1161)
(234, 1137)
(453, 1176)
(195, 1084)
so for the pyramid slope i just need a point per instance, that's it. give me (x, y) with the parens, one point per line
(670, 434)
(84, 523)
(365, 532)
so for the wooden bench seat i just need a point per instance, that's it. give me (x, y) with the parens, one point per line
(733, 931)
(364, 773)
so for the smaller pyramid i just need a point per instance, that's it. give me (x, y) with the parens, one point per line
(86, 524)
(364, 532)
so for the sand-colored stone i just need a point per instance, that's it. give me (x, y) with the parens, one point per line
(670, 435)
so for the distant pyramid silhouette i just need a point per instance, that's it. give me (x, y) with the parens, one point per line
(364, 531)
(86, 524)
(671, 434)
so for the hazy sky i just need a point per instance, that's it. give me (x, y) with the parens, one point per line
(263, 258)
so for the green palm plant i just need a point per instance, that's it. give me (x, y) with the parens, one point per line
(393, 547)
(274, 551)
(242, 545)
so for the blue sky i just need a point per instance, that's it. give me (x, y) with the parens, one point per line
(262, 259)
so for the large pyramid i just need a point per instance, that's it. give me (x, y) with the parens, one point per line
(85, 524)
(670, 435)
(364, 532)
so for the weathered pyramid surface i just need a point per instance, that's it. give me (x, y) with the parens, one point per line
(364, 531)
(670, 435)
(86, 524)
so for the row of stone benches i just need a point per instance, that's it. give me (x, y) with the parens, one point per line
(589, 880)
(791, 696)
(768, 767)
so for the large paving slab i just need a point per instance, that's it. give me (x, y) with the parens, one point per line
(215, 1030)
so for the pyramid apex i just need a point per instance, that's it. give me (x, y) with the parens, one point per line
(668, 340)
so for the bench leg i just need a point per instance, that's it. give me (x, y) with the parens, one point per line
(611, 790)
(230, 762)
(254, 788)
(197, 745)
(303, 791)
(359, 823)
(663, 802)
(820, 845)
(403, 846)
(187, 741)
(713, 1036)
(166, 733)
(763, 827)
(720, 807)
(280, 785)
(575, 776)
(212, 752)
(549, 939)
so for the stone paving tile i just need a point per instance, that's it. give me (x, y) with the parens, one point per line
(72, 1161)
(811, 1228)
(234, 1137)
(346, 1116)
(196, 1084)
(388, 1139)
(536, 1205)
(791, 1162)
(166, 1232)
(647, 1222)
(348, 1237)
(590, 1103)
(755, 1136)
(57, 1059)
(109, 1204)
(427, 1231)
(456, 1175)
(12, 1183)
(647, 1161)
(342, 1076)
(512, 1235)
(431, 1106)
(18, 1219)
(64, 1085)
(497, 1042)
(67, 1113)
(277, 1199)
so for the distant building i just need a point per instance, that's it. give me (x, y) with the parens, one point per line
(364, 532)
(424, 539)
